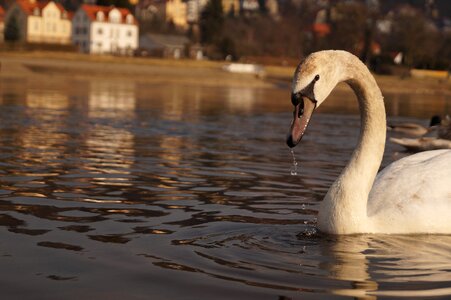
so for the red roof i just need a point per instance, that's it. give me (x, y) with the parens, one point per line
(92, 10)
(321, 29)
(28, 6)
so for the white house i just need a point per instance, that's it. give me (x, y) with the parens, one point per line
(40, 22)
(104, 29)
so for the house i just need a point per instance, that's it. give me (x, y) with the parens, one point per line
(194, 9)
(104, 29)
(231, 7)
(175, 12)
(168, 11)
(39, 22)
(163, 45)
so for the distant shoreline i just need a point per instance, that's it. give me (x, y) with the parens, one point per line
(57, 66)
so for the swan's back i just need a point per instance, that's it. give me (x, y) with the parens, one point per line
(413, 195)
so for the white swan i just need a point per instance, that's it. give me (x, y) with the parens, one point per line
(412, 195)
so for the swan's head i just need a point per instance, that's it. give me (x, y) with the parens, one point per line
(314, 79)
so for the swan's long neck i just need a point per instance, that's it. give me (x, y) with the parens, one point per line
(344, 209)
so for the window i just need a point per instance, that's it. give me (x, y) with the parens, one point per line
(129, 33)
(99, 31)
(129, 19)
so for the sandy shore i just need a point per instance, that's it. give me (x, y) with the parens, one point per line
(44, 66)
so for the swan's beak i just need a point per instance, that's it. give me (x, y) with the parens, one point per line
(301, 117)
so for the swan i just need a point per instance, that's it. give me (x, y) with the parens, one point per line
(442, 141)
(444, 129)
(415, 129)
(422, 144)
(410, 196)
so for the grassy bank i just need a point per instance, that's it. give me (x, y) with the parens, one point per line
(60, 65)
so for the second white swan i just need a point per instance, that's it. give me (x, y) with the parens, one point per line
(410, 196)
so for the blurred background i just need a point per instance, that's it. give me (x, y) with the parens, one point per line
(386, 34)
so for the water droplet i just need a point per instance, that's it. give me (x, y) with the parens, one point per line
(294, 167)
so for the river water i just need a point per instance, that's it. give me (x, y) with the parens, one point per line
(122, 190)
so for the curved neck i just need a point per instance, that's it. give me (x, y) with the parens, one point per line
(344, 209)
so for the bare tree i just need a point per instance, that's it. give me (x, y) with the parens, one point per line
(417, 39)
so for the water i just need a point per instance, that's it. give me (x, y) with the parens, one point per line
(294, 167)
(120, 190)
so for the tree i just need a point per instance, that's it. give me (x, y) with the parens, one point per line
(116, 3)
(348, 26)
(12, 32)
(416, 39)
(212, 22)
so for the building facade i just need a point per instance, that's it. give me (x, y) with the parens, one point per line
(101, 29)
(40, 22)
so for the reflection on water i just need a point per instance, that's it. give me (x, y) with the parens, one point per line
(117, 189)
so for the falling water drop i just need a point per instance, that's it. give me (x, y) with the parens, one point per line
(294, 167)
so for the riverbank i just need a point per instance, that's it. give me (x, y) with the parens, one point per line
(55, 66)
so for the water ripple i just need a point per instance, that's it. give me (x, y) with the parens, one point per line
(105, 187)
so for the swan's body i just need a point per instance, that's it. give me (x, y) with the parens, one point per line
(412, 195)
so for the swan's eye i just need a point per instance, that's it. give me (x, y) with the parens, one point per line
(317, 77)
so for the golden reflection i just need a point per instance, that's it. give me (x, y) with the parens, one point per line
(422, 106)
(367, 261)
(111, 99)
(158, 231)
(110, 151)
(180, 102)
(171, 153)
(47, 99)
(241, 99)
(119, 211)
(50, 109)
(396, 104)
(100, 201)
(29, 194)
